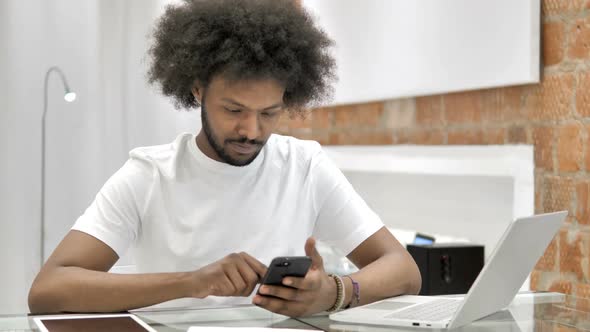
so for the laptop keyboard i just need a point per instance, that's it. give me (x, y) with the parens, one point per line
(431, 311)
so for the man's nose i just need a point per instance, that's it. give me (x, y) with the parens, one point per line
(249, 126)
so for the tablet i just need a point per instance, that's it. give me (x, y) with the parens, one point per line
(92, 323)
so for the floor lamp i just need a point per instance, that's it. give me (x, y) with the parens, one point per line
(69, 96)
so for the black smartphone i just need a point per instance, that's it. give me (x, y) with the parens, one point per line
(280, 267)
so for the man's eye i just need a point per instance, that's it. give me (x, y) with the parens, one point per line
(268, 114)
(233, 111)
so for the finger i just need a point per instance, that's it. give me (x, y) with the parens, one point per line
(286, 293)
(311, 281)
(255, 264)
(311, 251)
(279, 306)
(249, 276)
(236, 279)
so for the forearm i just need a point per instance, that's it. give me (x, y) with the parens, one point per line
(390, 275)
(74, 289)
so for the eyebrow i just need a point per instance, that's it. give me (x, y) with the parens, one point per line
(244, 106)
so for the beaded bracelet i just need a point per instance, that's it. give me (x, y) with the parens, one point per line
(339, 294)
(356, 293)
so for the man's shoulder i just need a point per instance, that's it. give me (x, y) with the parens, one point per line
(288, 147)
(162, 152)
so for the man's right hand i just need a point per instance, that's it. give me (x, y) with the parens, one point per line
(233, 275)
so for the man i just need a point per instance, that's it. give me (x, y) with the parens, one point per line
(204, 214)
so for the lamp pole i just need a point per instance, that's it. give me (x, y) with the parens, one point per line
(69, 96)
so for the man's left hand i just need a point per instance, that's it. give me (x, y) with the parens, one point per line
(314, 293)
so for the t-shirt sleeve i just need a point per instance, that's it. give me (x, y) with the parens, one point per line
(344, 219)
(115, 214)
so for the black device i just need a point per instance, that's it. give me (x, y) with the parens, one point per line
(449, 268)
(280, 267)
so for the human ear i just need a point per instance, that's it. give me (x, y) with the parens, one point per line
(196, 91)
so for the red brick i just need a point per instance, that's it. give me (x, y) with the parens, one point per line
(423, 137)
(587, 147)
(465, 137)
(570, 148)
(517, 135)
(429, 111)
(583, 200)
(583, 297)
(561, 286)
(583, 290)
(571, 252)
(582, 304)
(552, 99)
(543, 147)
(561, 328)
(462, 108)
(321, 118)
(399, 113)
(558, 193)
(295, 121)
(547, 261)
(538, 191)
(579, 39)
(553, 7)
(534, 281)
(513, 103)
(501, 105)
(583, 94)
(361, 138)
(359, 115)
(553, 43)
(494, 136)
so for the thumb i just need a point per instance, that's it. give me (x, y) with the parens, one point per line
(310, 250)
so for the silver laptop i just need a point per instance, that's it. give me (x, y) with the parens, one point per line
(519, 248)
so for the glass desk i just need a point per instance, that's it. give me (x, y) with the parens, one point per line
(528, 312)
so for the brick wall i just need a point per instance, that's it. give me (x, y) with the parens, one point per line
(554, 116)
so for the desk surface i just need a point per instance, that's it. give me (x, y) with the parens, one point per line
(528, 312)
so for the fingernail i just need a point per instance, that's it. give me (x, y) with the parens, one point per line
(263, 289)
(287, 282)
(256, 300)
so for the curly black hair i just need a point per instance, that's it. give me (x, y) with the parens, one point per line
(241, 39)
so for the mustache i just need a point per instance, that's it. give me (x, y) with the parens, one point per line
(244, 140)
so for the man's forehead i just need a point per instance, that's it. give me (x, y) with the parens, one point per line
(259, 93)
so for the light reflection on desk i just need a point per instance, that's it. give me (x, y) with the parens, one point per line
(528, 312)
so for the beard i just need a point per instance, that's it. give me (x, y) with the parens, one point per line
(218, 146)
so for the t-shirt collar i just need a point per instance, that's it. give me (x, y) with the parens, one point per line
(218, 166)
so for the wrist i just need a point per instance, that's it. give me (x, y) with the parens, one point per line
(338, 298)
(194, 285)
(348, 292)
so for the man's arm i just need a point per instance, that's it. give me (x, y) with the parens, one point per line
(75, 279)
(386, 269)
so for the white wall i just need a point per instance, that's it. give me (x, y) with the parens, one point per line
(470, 192)
(100, 45)
(398, 48)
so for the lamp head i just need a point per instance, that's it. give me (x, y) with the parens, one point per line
(70, 96)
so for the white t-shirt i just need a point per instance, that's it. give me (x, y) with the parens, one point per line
(179, 210)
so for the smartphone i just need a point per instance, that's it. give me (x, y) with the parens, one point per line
(280, 267)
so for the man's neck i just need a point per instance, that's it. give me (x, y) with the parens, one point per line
(203, 145)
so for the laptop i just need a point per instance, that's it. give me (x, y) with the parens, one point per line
(515, 255)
